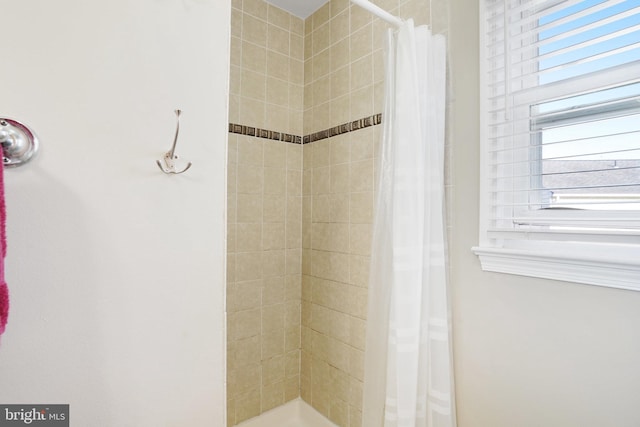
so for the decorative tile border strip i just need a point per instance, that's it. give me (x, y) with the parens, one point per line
(365, 122)
(264, 133)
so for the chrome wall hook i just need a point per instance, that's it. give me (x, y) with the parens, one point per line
(169, 158)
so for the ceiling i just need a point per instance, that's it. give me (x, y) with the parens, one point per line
(299, 8)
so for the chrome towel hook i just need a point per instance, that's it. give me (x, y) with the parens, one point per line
(170, 157)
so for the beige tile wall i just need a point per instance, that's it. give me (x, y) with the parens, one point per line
(344, 81)
(337, 217)
(264, 211)
(267, 63)
(308, 214)
(344, 63)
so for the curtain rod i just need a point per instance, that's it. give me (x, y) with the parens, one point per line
(378, 11)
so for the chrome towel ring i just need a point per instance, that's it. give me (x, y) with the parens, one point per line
(19, 143)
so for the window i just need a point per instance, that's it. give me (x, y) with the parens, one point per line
(560, 92)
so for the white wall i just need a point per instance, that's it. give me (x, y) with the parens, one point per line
(528, 352)
(116, 271)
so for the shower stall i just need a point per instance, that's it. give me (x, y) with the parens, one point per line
(306, 98)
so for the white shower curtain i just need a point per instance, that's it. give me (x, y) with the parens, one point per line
(408, 364)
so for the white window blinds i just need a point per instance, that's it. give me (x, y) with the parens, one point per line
(561, 93)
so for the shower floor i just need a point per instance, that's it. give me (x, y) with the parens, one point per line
(296, 413)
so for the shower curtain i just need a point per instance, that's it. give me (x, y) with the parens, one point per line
(408, 364)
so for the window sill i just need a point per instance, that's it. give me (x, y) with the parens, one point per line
(592, 268)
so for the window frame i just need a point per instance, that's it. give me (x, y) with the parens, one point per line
(601, 257)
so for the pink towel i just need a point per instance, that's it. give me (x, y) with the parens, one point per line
(4, 291)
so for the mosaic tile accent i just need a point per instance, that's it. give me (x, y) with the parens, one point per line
(365, 122)
(264, 133)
